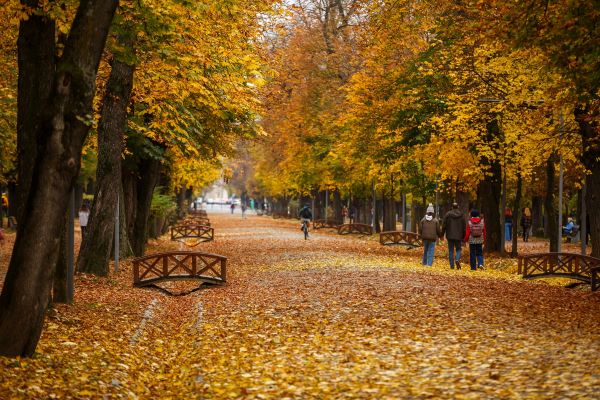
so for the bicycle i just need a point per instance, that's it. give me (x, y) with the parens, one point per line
(304, 228)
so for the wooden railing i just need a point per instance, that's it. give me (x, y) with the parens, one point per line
(179, 265)
(402, 238)
(196, 219)
(595, 278)
(567, 265)
(325, 223)
(201, 213)
(361, 229)
(201, 233)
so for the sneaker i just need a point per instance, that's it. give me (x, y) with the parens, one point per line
(480, 267)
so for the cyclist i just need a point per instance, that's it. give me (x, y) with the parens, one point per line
(305, 216)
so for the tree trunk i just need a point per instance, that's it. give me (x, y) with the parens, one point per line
(549, 206)
(516, 216)
(96, 247)
(36, 60)
(337, 207)
(489, 194)
(59, 286)
(591, 160)
(181, 206)
(145, 189)
(59, 138)
(537, 225)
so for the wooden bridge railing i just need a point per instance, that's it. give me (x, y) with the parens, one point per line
(595, 278)
(402, 238)
(202, 233)
(179, 265)
(196, 219)
(361, 229)
(325, 223)
(201, 213)
(567, 265)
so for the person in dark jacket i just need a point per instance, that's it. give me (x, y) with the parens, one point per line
(475, 235)
(430, 231)
(526, 223)
(454, 226)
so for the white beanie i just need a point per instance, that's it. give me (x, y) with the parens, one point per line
(430, 208)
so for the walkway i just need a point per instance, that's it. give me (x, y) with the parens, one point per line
(331, 317)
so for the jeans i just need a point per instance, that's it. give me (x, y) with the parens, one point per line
(508, 231)
(476, 255)
(428, 252)
(452, 245)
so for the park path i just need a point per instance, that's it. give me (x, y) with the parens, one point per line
(332, 317)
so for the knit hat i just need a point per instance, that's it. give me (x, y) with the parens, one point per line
(430, 208)
(474, 213)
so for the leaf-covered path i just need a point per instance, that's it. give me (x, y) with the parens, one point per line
(331, 317)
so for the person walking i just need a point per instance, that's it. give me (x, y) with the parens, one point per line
(430, 231)
(475, 235)
(84, 215)
(454, 227)
(243, 210)
(526, 223)
(508, 219)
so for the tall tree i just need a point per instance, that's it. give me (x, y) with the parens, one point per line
(63, 125)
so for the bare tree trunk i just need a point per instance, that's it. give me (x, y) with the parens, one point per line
(96, 247)
(516, 216)
(59, 137)
(591, 159)
(550, 208)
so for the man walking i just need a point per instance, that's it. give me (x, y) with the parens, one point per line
(454, 226)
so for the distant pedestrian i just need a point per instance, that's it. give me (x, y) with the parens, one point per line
(232, 207)
(475, 235)
(430, 231)
(243, 210)
(84, 215)
(508, 219)
(351, 214)
(454, 226)
(526, 223)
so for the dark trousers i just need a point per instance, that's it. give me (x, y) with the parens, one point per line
(476, 255)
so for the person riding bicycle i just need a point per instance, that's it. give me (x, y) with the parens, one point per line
(305, 216)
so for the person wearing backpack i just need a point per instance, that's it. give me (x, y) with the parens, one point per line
(429, 229)
(475, 235)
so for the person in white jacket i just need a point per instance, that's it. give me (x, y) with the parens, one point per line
(84, 215)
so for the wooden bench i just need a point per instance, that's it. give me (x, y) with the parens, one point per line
(201, 233)
(565, 265)
(361, 229)
(179, 265)
(325, 223)
(401, 238)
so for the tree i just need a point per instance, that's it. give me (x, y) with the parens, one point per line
(59, 130)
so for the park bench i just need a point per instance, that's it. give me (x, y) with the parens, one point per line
(325, 223)
(401, 238)
(179, 265)
(565, 265)
(201, 233)
(361, 229)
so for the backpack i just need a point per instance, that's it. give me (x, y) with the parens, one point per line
(477, 229)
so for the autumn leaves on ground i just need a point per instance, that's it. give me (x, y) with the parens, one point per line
(331, 317)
